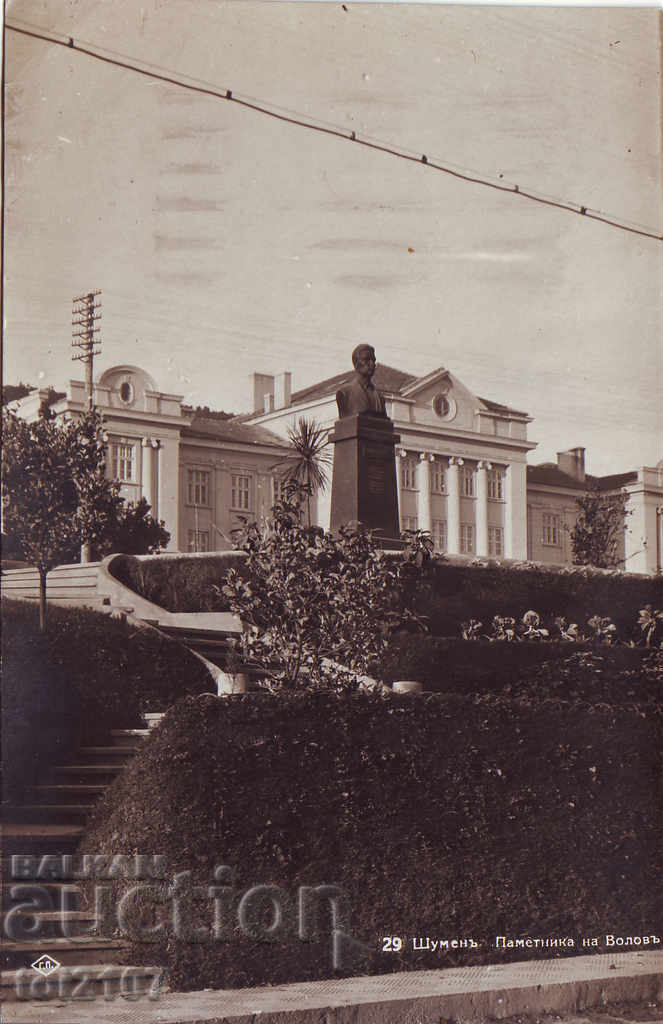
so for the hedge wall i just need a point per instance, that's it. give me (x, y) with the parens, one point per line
(87, 675)
(177, 584)
(595, 671)
(457, 593)
(447, 817)
(463, 592)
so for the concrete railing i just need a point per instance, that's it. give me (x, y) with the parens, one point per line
(75, 584)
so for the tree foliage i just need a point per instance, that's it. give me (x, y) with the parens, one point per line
(14, 392)
(134, 532)
(56, 495)
(310, 601)
(596, 536)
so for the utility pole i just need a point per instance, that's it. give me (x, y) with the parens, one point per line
(85, 313)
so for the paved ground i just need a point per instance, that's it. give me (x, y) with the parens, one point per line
(529, 992)
(620, 1013)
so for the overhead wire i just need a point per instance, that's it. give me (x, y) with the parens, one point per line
(326, 128)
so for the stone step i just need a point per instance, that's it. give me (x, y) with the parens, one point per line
(42, 838)
(115, 752)
(72, 813)
(43, 892)
(32, 925)
(88, 773)
(128, 737)
(85, 950)
(76, 790)
(81, 982)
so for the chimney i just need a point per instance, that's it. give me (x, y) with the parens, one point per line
(261, 384)
(572, 462)
(269, 403)
(282, 390)
(44, 395)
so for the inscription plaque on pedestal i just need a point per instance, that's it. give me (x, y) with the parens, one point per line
(364, 477)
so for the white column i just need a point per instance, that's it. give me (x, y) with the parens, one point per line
(400, 454)
(149, 458)
(424, 518)
(482, 507)
(156, 482)
(453, 505)
(515, 511)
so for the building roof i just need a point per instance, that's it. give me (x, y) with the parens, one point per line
(498, 407)
(550, 475)
(386, 379)
(232, 430)
(607, 483)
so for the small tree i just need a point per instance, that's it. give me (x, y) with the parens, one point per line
(55, 494)
(308, 599)
(599, 527)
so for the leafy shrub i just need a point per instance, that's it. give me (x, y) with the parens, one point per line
(310, 601)
(442, 816)
(651, 624)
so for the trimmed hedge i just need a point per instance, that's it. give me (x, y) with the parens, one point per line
(595, 671)
(86, 675)
(449, 817)
(463, 592)
(454, 592)
(177, 584)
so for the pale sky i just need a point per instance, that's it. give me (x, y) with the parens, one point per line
(225, 242)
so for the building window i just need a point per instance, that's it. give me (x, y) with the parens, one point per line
(552, 534)
(437, 478)
(123, 457)
(127, 392)
(409, 523)
(197, 487)
(467, 538)
(496, 484)
(409, 474)
(241, 492)
(440, 534)
(468, 482)
(495, 541)
(198, 540)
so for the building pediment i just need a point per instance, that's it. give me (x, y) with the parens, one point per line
(437, 399)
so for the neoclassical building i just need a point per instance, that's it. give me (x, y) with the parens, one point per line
(462, 471)
(462, 464)
(200, 475)
(552, 490)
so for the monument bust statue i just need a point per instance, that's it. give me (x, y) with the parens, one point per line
(360, 395)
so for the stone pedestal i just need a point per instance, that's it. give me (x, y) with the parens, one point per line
(364, 477)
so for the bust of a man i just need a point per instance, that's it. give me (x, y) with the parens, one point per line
(361, 395)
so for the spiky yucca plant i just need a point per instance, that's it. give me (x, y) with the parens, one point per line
(306, 468)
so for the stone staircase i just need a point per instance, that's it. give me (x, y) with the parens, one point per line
(42, 912)
(66, 585)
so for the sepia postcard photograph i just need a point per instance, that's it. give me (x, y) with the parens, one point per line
(332, 512)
